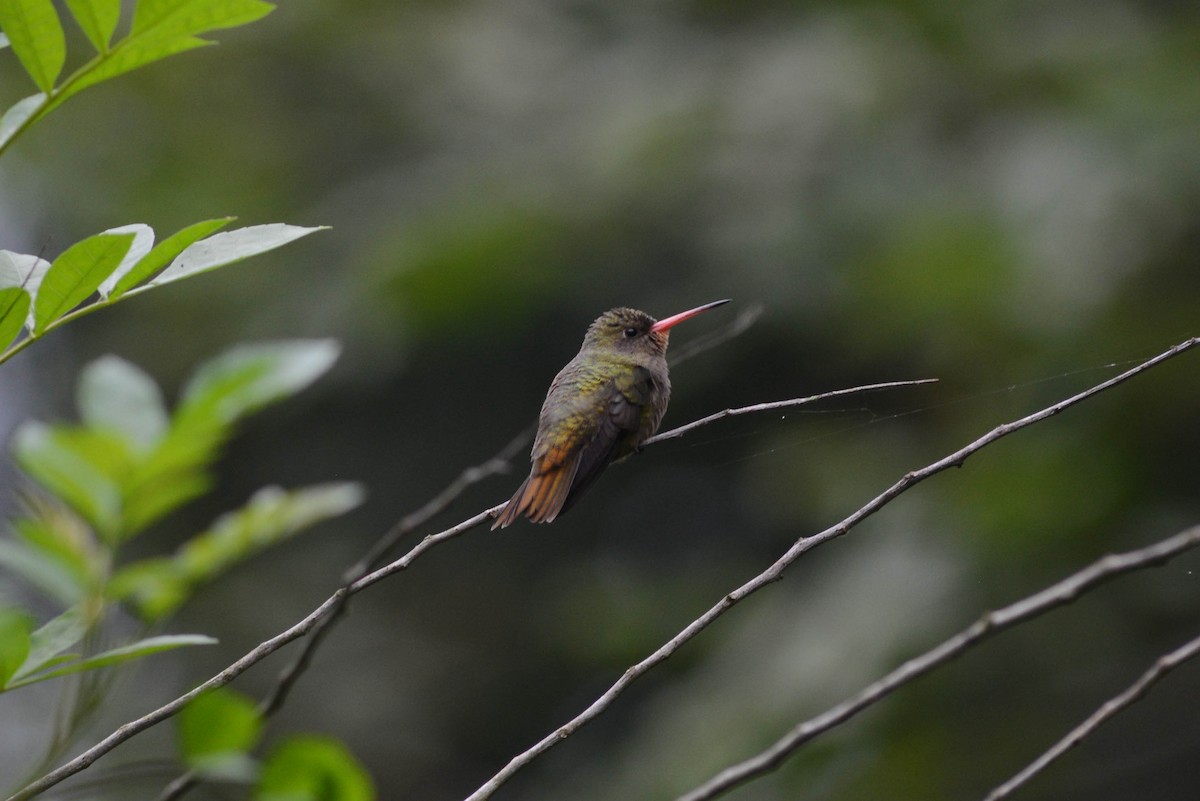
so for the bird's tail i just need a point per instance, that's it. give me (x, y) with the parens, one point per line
(541, 497)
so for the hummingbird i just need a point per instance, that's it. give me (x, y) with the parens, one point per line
(600, 408)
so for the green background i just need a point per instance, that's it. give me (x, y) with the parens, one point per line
(1001, 195)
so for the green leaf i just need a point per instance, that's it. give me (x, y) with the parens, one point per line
(14, 308)
(126, 56)
(248, 377)
(76, 274)
(271, 516)
(162, 28)
(37, 38)
(67, 466)
(123, 280)
(18, 269)
(169, 18)
(143, 241)
(14, 642)
(18, 114)
(98, 19)
(49, 642)
(137, 650)
(118, 396)
(14, 300)
(312, 768)
(227, 248)
(217, 728)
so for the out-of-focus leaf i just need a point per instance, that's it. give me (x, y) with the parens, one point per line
(154, 587)
(220, 250)
(159, 495)
(42, 570)
(312, 768)
(47, 643)
(248, 377)
(14, 642)
(36, 37)
(64, 465)
(271, 516)
(216, 731)
(18, 114)
(117, 395)
(174, 471)
(157, 587)
(143, 242)
(55, 550)
(123, 280)
(98, 19)
(75, 275)
(137, 650)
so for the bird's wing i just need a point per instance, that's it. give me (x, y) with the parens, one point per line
(585, 444)
(623, 418)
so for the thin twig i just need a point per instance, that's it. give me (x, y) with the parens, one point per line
(991, 623)
(301, 628)
(775, 571)
(675, 433)
(1161, 667)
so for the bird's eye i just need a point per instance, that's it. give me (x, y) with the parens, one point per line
(631, 332)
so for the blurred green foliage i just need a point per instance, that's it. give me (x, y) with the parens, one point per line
(104, 482)
(1001, 195)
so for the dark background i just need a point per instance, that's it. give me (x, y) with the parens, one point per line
(1002, 195)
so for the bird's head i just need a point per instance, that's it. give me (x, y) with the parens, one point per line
(631, 331)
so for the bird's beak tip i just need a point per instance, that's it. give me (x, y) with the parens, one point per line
(675, 319)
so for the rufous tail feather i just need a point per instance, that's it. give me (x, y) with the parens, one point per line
(540, 498)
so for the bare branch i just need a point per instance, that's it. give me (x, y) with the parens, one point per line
(801, 546)
(1161, 667)
(992, 623)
